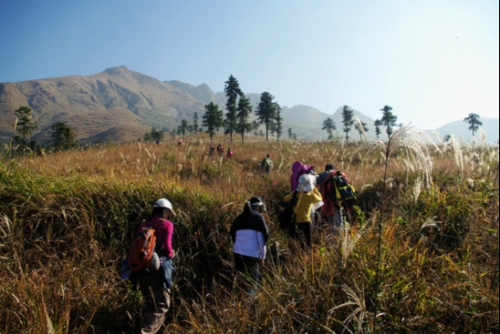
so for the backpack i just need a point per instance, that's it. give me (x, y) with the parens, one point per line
(266, 164)
(287, 216)
(344, 192)
(142, 249)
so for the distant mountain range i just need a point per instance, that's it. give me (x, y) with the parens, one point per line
(122, 105)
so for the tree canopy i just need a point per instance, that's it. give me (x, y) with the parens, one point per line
(266, 111)
(474, 122)
(388, 119)
(212, 118)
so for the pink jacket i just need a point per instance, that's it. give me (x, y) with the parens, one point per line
(164, 234)
(298, 168)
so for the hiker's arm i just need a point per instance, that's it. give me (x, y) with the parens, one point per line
(167, 246)
(317, 195)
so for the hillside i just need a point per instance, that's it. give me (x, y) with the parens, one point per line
(420, 257)
(94, 104)
(460, 130)
(121, 105)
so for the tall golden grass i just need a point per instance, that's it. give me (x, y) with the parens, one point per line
(66, 220)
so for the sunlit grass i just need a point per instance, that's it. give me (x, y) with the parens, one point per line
(66, 220)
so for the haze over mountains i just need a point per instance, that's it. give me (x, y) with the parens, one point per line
(122, 105)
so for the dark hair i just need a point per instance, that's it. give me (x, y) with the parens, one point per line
(253, 201)
(329, 167)
(157, 212)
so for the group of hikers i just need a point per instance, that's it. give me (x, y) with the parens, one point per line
(312, 198)
(220, 151)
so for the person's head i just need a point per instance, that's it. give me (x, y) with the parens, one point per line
(163, 208)
(306, 182)
(329, 167)
(255, 203)
(268, 155)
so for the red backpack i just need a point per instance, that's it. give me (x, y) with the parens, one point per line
(142, 249)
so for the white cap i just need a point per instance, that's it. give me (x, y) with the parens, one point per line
(306, 182)
(164, 203)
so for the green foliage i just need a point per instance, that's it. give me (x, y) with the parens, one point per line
(232, 90)
(388, 119)
(474, 122)
(65, 225)
(266, 111)
(244, 111)
(347, 120)
(212, 119)
(329, 126)
(154, 135)
(63, 136)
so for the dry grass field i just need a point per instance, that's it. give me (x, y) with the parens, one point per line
(422, 257)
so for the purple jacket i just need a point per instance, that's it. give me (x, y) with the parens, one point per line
(298, 168)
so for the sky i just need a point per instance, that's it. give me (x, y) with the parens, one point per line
(433, 62)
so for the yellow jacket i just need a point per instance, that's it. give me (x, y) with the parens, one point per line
(305, 201)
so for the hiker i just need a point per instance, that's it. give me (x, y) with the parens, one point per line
(323, 175)
(179, 142)
(229, 153)
(331, 210)
(155, 285)
(212, 149)
(306, 196)
(249, 234)
(267, 164)
(220, 149)
(298, 169)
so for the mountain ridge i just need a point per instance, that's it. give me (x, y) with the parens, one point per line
(122, 105)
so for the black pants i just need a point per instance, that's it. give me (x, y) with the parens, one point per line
(304, 228)
(248, 268)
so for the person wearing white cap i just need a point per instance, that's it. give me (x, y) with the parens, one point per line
(155, 285)
(305, 196)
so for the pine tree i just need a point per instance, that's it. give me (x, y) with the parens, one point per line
(361, 127)
(63, 136)
(388, 119)
(474, 122)
(212, 119)
(347, 120)
(24, 125)
(329, 126)
(244, 111)
(232, 90)
(378, 123)
(266, 111)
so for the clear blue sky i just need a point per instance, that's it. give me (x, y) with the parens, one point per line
(433, 61)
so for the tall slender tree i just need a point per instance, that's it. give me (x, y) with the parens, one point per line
(347, 120)
(361, 127)
(233, 91)
(184, 127)
(24, 125)
(388, 119)
(290, 133)
(279, 121)
(266, 111)
(329, 126)
(474, 122)
(212, 119)
(244, 111)
(196, 126)
(378, 123)
(255, 127)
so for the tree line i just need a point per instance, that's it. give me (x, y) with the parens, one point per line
(234, 122)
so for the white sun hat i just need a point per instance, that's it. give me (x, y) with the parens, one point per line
(164, 203)
(306, 182)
